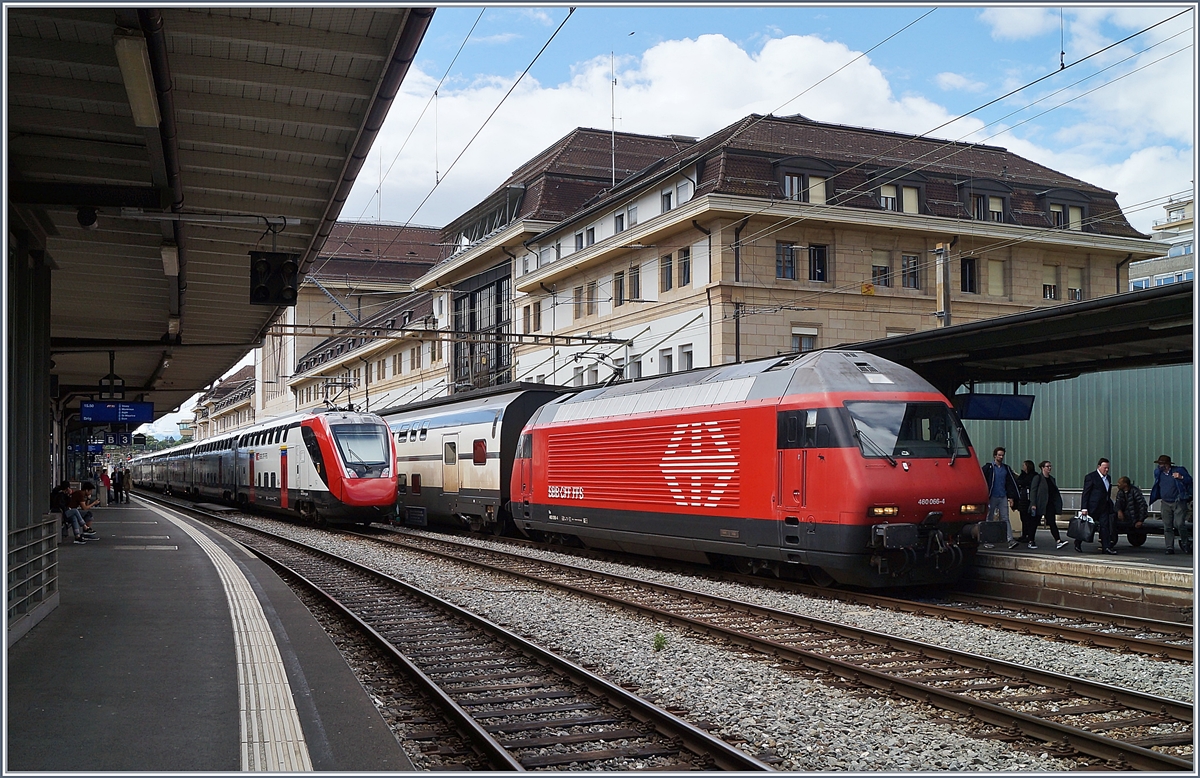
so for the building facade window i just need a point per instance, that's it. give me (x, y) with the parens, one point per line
(619, 222)
(631, 213)
(804, 339)
(683, 192)
(881, 268)
(579, 302)
(910, 271)
(635, 283)
(590, 303)
(415, 357)
(818, 263)
(888, 199)
(667, 200)
(618, 288)
(1049, 282)
(804, 187)
(785, 260)
(1075, 283)
(577, 377)
(591, 235)
(666, 273)
(528, 318)
(969, 275)
(685, 267)
(685, 357)
(635, 369)
(665, 361)
(1139, 283)
(578, 241)
(996, 277)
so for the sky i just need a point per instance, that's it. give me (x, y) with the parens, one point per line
(1122, 118)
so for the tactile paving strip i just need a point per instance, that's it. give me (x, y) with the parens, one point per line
(271, 737)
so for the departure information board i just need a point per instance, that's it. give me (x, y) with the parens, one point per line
(116, 411)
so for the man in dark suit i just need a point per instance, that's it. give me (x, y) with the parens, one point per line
(1096, 501)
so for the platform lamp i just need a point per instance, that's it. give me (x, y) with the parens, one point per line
(134, 61)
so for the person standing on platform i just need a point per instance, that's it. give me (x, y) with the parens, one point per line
(1045, 501)
(1096, 501)
(1173, 485)
(1002, 489)
(118, 482)
(106, 482)
(1028, 522)
(127, 483)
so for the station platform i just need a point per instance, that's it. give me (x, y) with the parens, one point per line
(173, 649)
(1141, 581)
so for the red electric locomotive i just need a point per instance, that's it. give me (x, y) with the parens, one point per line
(329, 466)
(838, 463)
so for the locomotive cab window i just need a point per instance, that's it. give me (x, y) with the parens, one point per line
(525, 447)
(908, 429)
(365, 449)
(807, 429)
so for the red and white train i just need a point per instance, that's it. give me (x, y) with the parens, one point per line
(328, 466)
(836, 463)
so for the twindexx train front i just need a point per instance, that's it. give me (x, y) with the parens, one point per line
(330, 466)
(839, 462)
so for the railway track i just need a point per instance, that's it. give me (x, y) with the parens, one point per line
(1124, 728)
(509, 704)
(1160, 639)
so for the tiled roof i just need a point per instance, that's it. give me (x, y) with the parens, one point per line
(418, 306)
(740, 159)
(374, 251)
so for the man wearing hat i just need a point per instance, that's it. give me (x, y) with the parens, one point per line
(1173, 486)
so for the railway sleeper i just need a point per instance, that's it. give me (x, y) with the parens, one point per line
(546, 709)
(1169, 739)
(1136, 721)
(578, 721)
(583, 757)
(518, 698)
(583, 737)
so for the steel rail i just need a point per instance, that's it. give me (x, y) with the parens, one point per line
(695, 740)
(496, 755)
(1082, 635)
(1081, 740)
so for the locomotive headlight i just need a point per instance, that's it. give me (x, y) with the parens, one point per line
(350, 473)
(387, 473)
(884, 510)
(970, 508)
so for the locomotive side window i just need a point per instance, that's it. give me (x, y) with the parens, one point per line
(525, 447)
(479, 452)
(807, 429)
(416, 483)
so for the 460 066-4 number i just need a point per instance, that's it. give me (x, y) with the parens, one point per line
(565, 492)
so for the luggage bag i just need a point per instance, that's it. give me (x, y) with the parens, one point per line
(1082, 528)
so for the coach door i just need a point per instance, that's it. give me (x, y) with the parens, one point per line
(450, 464)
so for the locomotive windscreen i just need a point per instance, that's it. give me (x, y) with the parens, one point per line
(908, 429)
(364, 448)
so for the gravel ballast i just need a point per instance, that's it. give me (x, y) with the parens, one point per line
(808, 725)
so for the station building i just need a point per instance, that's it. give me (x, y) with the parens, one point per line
(773, 235)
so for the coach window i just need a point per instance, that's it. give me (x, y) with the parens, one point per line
(272, 480)
(424, 431)
(479, 452)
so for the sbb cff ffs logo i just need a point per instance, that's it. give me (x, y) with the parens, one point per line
(274, 277)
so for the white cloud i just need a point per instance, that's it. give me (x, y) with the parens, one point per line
(691, 87)
(956, 82)
(1019, 23)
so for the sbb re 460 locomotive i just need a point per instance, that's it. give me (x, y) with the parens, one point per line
(834, 464)
(838, 463)
(324, 466)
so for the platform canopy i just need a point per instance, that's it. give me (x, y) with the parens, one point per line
(1142, 328)
(150, 150)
